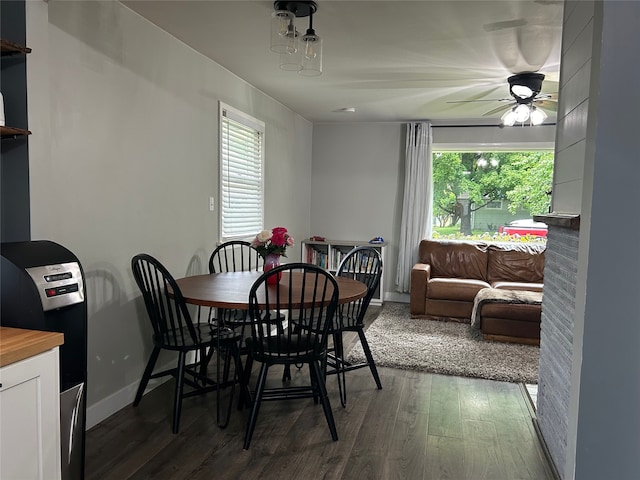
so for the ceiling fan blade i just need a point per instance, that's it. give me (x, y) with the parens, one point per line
(493, 27)
(500, 109)
(551, 105)
(482, 100)
(546, 96)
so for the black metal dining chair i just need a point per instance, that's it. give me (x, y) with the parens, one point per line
(234, 256)
(174, 330)
(363, 263)
(290, 326)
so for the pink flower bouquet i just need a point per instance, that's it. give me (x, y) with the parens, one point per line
(273, 241)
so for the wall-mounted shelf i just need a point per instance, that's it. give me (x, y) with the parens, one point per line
(11, 132)
(15, 222)
(10, 48)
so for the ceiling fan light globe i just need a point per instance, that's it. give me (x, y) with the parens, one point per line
(509, 118)
(521, 91)
(537, 116)
(525, 86)
(522, 113)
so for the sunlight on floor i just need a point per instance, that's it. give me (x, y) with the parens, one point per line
(533, 393)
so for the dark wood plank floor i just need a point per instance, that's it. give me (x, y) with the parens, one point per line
(419, 426)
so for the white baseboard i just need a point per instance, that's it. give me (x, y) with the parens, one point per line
(106, 407)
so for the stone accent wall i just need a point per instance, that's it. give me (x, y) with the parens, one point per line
(556, 339)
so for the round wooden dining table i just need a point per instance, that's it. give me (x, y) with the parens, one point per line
(231, 290)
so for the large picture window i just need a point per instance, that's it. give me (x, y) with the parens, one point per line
(241, 174)
(491, 196)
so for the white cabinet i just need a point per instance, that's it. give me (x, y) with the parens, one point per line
(30, 418)
(329, 253)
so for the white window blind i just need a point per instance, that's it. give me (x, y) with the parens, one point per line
(241, 174)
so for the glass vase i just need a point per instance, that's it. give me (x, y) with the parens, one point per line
(271, 261)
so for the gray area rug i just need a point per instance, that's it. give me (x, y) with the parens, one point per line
(448, 348)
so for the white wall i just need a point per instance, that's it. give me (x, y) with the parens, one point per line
(562, 320)
(597, 167)
(491, 138)
(358, 177)
(124, 158)
(606, 385)
(577, 38)
(356, 191)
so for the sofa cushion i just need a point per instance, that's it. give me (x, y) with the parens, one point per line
(515, 263)
(455, 259)
(516, 312)
(448, 310)
(501, 329)
(457, 289)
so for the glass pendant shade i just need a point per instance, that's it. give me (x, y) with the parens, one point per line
(282, 30)
(311, 55)
(291, 61)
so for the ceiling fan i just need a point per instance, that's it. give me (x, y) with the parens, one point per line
(526, 103)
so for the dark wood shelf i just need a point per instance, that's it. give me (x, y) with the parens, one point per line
(562, 220)
(10, 48)
(10, 132)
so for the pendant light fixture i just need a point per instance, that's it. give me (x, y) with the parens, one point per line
(311, 55)
(300, 53)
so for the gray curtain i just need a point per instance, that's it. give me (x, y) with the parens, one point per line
(416, 204)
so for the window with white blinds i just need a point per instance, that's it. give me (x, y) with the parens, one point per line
(241, 174)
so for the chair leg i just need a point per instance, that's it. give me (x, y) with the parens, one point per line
(324, 398)
(286, 374)
(204, 361)
(367, 353)
(238, 362)
(230, 350)
(313, 380)
(245, 394)
(151, 363)
(177, 399)
(340, 368)
(262, 378)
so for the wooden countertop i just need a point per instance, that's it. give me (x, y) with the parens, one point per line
(18, 343)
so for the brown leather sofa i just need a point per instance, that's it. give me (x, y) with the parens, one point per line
(449, 274)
